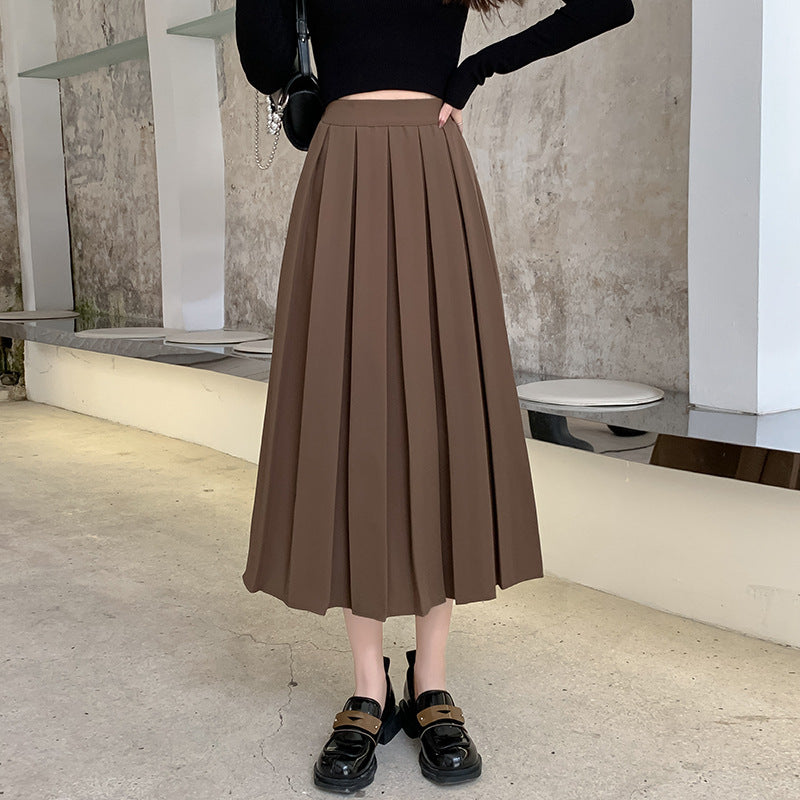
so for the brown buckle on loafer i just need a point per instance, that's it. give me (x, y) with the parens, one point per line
(358, 719)
(443, 713)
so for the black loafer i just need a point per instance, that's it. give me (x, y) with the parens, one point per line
(447, 754)
(347, 762)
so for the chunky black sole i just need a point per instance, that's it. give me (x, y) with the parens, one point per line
(390, 728)
(387, 732)
(408, 720)
(412, 729)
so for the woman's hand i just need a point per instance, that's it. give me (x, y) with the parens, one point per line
(446, 111)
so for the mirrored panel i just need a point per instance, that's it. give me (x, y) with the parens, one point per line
(671, 432)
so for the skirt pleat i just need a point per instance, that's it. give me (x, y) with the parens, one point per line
(423, 444)
(322, 393)
(393, 471)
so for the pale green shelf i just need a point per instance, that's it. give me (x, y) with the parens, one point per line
(210, 27)
(95, 59)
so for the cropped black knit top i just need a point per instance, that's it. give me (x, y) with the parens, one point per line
(364, 45)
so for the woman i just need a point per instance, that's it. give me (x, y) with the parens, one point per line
(393, 476)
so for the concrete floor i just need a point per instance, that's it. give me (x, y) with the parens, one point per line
(136, 665)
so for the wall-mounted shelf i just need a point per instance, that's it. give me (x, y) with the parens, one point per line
(95, 59)
(210, 27)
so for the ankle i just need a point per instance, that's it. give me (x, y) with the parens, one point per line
(426, 678)
(374, 687)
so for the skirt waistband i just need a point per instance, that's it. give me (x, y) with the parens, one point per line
(376, 111)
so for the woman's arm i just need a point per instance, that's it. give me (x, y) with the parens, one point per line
(572, 24)
(266, 38)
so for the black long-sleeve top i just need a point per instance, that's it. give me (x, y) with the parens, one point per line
(364, 45)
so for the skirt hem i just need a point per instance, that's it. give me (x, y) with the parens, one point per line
(300, 606)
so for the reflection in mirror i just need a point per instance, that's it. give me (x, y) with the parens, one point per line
(769, 466)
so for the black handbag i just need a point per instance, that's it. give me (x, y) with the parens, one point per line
(299, 108)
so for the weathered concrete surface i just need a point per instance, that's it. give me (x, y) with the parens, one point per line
(257, 202)
(109, 148)
(136, 665)
(83, 25)
(583, 161)
(583, 158)
(10, 277)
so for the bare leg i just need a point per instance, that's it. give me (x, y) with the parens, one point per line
(432, 630)
(366, 642)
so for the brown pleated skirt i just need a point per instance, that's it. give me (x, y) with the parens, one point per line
(393, 471)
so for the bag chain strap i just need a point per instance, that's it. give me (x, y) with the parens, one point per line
(274, 120)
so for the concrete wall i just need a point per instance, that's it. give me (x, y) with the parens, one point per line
(10, 276)
(107, 118)
(257, 202)
(583, 161)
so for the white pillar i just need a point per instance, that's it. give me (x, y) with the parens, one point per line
(29, 40)
(744, 206)
(191, 166)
